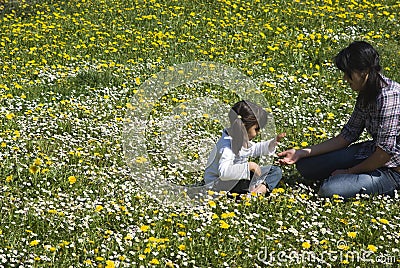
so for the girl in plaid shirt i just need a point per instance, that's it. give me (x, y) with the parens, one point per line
(371, 167)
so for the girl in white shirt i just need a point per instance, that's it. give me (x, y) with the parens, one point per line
(228, 167)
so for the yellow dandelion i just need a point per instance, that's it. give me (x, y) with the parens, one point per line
(144, 228)
(384, 221)
(212, 204)
(128, 237)
(9, 178)
(34, 169)
(154, 261)
(37, 162)
(278, 190)
(10, 116)
(141, 160)
(182, 247)
(306, 245)
(34, 243)
(181, 233)
(72, 179)
(110, 264)
(223, 224)
(142, 257)
(170, 264)
(99, 208)
(352, 234)
(372, 248)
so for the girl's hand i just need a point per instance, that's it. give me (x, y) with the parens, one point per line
(280, 136)
(255, 168)
(275, 142)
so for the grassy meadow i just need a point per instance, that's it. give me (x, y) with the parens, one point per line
(68, 70)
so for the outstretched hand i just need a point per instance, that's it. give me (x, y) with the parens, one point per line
(290, 157)
(280, 136)
(275, 142)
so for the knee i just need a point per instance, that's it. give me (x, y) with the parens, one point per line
(326, 190)
(330, 187)
(276, 171)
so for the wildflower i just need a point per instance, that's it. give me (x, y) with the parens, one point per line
(154, 261)
(342, 246)
(37, 162)
(278, 190)
(181, 233)
(228, 215)
(34, 243)
(372, 248)
(170, 264)
(34, 169)
(72, 179)
(9, 178)
(223, 224)
(352, 234)
(128, 237)
(182, 247)
(384, 221)
(10, 116)
(110, 264)
(306, 245)
(212, 204)
(144, 228)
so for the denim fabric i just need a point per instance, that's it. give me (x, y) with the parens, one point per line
(380, 181)
(320, 168)
(270, 176)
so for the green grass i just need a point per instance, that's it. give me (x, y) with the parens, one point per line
(68, 71)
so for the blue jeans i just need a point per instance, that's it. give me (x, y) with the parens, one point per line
(319, 168)
(269, 175)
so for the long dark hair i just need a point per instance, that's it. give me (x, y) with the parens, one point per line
(362, 57)
(242, 116)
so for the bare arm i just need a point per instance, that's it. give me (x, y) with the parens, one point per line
(291, 156)
(327, 146)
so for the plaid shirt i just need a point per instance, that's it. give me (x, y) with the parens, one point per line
(381, 120)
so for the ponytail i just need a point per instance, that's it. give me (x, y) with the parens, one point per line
(243, 116)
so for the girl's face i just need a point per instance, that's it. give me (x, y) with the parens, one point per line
(253, 131)
(357, 80)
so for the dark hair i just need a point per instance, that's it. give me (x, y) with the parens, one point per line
(362, 57)
(242, 116)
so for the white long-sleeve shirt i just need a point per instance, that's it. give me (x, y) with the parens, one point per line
(224, 165)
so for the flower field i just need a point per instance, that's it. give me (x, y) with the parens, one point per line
(68, 70)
